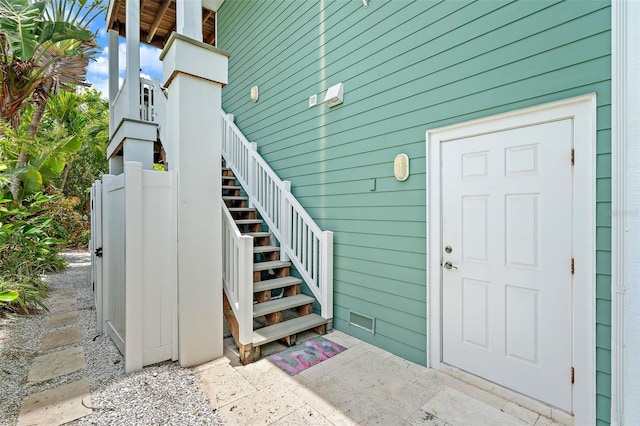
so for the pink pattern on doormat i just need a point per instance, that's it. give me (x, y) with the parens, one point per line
(300, 357)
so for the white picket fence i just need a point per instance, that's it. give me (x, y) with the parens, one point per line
(308, 247)
(138, 283)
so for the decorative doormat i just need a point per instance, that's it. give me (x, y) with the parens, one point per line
(300, 357)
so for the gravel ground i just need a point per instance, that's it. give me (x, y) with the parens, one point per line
(162, 394)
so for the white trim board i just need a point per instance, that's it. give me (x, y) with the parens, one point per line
(582, 110)
(625, 217)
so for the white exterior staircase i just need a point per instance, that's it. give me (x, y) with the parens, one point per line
(278, 308)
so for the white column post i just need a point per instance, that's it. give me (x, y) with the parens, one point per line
(285, 208)
(133, 260)
(194, 74)
(625, 214)
(189, 19)
(114, 83)
(631, 259)
(133, 59)
(251, 183)
(326, 274)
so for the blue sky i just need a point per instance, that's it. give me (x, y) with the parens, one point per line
(98, 70)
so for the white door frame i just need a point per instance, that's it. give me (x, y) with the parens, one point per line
(582, 110)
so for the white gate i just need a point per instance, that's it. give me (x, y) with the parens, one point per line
(138, 282)
(96, 250)
(114, 259)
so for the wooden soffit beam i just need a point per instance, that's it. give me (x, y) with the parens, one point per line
(159, 17)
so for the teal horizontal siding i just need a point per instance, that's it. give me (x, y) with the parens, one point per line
(407, 67)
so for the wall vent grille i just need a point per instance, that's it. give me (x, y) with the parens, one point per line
(362, 321)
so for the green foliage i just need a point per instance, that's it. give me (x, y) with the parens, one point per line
(45, 45)
(31, 293)
(71, 224)
(8, 296)
(29, 245)
(89, 118)
(19, 22)
(42, 45)
(47, 158)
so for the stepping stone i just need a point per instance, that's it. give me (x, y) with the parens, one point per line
(60, 320)
(56, 364)
(59, 338)
(56, 406)
(65, 294)
(64, 306)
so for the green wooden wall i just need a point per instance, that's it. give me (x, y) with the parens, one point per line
(407, 66)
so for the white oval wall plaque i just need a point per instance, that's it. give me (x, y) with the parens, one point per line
(401, 167)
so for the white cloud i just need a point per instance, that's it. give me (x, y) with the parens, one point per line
(149, 59)
(102, 85)
(98, 69)
(99, 65)
(102, 33)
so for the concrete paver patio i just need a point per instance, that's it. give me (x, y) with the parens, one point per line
(362, 385)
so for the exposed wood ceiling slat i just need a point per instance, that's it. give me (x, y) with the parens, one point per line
(114, 15)
(158, 19)
(206, 16)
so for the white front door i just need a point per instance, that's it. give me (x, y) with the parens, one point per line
(506, 252)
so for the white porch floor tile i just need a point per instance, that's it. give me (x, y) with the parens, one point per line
(481, 395)
(457, 408)
(524, 414)
(262, 407)
(222, 384)
(365, 385)
(304, 415)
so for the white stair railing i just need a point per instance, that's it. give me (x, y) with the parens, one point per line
(301, 240)
(237, 275)
(153, 105)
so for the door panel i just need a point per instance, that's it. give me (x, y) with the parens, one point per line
(507, 214)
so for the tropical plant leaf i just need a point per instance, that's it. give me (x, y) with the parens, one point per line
(61, 31)
(19, 25)
(71, 145)
(31, 181)
(51, 163)
(51, 168)
(8, 296)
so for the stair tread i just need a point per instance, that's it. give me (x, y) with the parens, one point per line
(248, 221)
(241, 209)
(228, 177)
(282, 304)
(231, 187)
(264, 249)
(234, 197)
(256, 234)
(286, 328)
(275, 283)
(272, 264)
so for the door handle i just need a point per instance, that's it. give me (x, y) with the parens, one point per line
(449, 265)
